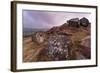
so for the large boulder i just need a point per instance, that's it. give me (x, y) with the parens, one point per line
(74, 22)
(84, 22)
(58, 47)
(39, 37)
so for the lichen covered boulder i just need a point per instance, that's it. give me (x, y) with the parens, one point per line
(58, 47)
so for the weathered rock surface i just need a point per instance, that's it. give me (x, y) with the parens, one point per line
(58, 47)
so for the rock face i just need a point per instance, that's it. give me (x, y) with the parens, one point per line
(58, 47)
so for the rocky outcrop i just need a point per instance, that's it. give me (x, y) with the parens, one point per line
(76, 22)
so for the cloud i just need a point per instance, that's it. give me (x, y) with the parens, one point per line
(47, 19)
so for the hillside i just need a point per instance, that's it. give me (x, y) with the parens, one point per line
(36, 46)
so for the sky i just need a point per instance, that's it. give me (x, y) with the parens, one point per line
(48, 19)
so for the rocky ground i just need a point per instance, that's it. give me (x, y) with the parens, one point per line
(79, 48)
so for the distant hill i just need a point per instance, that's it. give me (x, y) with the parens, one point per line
(30, 31)
(34, 29)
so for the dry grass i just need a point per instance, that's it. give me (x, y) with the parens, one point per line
(31, 50)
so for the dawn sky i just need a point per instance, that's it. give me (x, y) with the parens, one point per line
(48, 19)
